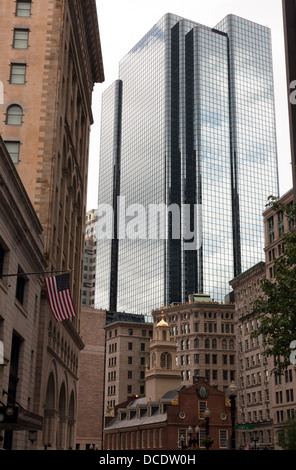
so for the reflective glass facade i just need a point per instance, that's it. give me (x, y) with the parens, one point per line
(192, 126)
(109, 184)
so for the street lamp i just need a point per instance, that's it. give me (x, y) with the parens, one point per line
(255, 439)
(232, 392)
(32, 435)
(193, 440)
(182, 443)
(207, 415)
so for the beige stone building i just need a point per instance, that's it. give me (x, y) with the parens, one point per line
(283, 389)
(91, 219)
(50, 60)
(127, 354)
(89, 260)
(204, 332)
(21, 252)
(275, 224)
(264, 401)
(91, 380)
(254, 400)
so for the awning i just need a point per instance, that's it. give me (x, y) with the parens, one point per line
(16, 418)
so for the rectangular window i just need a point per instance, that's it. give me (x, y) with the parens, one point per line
(13, 150)
(2, 255)
(17, 74)
(23, 8)
(290, 216)
(20, 287)
(13, 373)
(182, 437)
(223, 438)
(202, 405)
(271, 229)
(281, 223)
(21, 39)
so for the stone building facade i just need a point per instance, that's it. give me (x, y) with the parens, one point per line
(204, 332)
(51, 59)
(127, 354)
(283, 388)
(89, 260)
(91, 380)
(21, 252)
(254, 401)
(265, 400)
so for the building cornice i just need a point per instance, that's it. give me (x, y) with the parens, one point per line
(93, 39)
(257, 268)
(86, 30)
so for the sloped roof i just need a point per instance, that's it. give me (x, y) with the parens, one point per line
(155, 417)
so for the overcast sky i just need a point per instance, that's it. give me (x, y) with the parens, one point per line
(123, 23)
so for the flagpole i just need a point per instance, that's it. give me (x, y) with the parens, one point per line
(36, 274)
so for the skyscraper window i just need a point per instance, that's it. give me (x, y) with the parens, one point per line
(189, 125)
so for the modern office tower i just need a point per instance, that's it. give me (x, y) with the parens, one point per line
(189, 126)
(50, 60)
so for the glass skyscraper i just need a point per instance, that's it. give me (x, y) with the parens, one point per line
(189, 126)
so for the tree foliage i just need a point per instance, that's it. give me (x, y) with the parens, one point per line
(276, 307)
(287, 435)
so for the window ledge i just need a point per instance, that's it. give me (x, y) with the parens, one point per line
(21, 308)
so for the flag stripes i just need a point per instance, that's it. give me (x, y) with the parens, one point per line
(59, 297)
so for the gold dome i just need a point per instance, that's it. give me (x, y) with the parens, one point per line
(162, 322)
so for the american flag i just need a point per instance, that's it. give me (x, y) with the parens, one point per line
(59, 297)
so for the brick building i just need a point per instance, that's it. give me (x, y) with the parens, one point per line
(50, 60)
(167, 417)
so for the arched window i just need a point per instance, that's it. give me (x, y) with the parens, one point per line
(14, 115)
(153, 359)
(166, 361)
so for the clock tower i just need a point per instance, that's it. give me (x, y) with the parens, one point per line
(162, 374)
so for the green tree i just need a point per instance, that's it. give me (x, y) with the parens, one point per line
(276, 307)
(287, 435)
